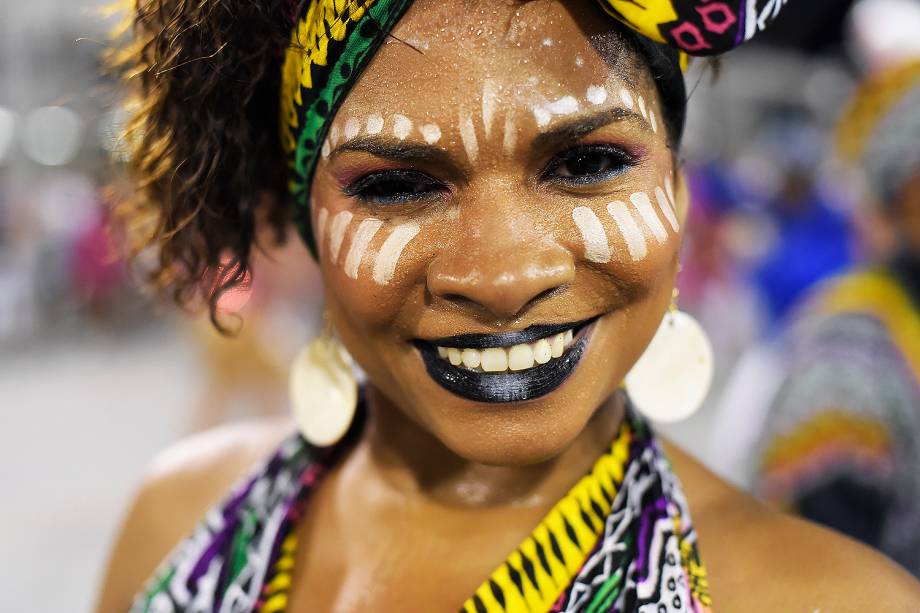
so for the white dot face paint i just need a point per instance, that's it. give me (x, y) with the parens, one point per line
(402, 126)
(489, 104)
(468, 136)
(642, 108)
(666, 208)
(510, 138)
(647, 212)
(351, 128)
(596, 95)
(374, 124)
(579, 61)
(363, 237)
(542, 116)
(547, 42)
(564, 106)
(391, 251)
(337, 234)
(431, 133)
(629, 229)
(320, 229)
(627, 98)
(593, 234)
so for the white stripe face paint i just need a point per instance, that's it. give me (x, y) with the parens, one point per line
(374, 124)
(391, 250)
(510, 138)
(325, 150)
(351, 128)
(489, 103)
(666, 208)
(402, 126)
(669, 190)
(363, 237)
(431, 133)
(321, 218)
(564, 106)
(468, 136)
(654, 121)
(629, 229)
(334, 136)
(642, 108)
(337, 234)
(627, 98)
(593, 234)
(596, 95)
(647, 212)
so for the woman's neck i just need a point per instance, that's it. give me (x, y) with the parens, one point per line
(412, 461)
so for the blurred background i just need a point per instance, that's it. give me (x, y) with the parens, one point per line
(96, 376)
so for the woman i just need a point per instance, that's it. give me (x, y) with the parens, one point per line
(461, 171)
(841, 445)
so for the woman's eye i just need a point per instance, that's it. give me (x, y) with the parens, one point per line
(590, 164)
(395, 187)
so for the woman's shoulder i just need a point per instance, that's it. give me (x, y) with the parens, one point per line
(178, 488)
(759, 559)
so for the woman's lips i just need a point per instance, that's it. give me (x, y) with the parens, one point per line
(508, 366)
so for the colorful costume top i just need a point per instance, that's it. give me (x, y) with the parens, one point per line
(620, 540)
(841, 444)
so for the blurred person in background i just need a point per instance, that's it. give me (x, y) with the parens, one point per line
(444, 162)
(841, 443)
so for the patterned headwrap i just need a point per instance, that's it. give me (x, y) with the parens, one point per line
(334, 40)
(880, 131)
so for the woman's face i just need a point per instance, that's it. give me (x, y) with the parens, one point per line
(499, 218)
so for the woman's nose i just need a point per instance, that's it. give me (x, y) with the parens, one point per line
(500, 281)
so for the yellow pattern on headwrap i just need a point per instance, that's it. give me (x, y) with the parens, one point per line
(647, 19)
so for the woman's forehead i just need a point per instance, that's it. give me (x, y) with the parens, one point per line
(443, 55)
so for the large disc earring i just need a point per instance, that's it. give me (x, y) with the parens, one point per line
(672, 378)
(324, 392)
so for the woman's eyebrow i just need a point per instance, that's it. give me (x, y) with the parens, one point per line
(577, 127)
(395, 149)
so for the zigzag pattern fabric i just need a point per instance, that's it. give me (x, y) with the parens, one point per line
(620, 540)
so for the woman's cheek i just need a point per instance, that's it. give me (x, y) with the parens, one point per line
(368, 262)
(640, 232)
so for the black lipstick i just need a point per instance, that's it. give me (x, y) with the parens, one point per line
(504, 386)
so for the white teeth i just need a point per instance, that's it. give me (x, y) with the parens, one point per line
(471, 358)
(494, 360)
(454, 356)
(557, 345)
(542, 352)
(520, 357)
(516, 358)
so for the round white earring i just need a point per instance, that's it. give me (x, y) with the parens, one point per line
(671, 379)
(324, 392)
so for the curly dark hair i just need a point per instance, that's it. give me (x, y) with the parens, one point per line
(203, 144)
(202, 137)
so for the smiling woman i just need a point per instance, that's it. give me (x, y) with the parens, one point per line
(492, 193)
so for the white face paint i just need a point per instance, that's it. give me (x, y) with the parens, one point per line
(374, 124)
(468, 136)
(669, 190)
(596, 95)
(337, 234)
(652, 119)
(629, 229)
(351, 128)
(563, 106)
(431, 133)
(391, 250)
(510, 138)
(363, 236)
(627, 98)
(593, 234)
(647, 212)
(579, 61)
(642, 108)
(489, 104)
(402, 126)
(334, 136)
(542, 116)
(320, 229)
(666, 208)
(326, 148)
